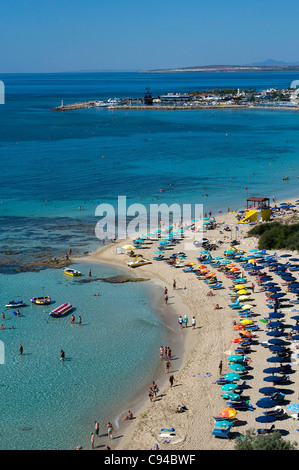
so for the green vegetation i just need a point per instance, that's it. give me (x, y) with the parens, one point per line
(276, 236)
(271, 441)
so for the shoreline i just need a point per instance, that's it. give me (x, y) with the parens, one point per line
(198, 344)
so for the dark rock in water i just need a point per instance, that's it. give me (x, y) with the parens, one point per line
(122, 279)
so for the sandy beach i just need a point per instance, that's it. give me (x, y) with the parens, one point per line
(204, 347)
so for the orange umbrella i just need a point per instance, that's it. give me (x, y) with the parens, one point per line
(237, 340)
(201, 266)
(246, 333)
(210, 274)
(235, 269)
(238, 327)
(228, 413)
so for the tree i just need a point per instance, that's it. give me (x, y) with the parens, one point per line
(271, 441)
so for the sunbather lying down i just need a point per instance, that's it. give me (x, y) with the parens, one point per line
(217, 307)
(210, 294)
(181, 408)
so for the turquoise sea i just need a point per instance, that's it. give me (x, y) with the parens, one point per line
(50, 164)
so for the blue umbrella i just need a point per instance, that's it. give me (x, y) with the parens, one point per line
(295, 327)
(275, 333)
(275, 324)
(266, 403)
(277, 348)
(271, 370)
(277, 296)
(296, 337)
(272, 378)
(276, 359)
(268, 390)
(277, 341)
(265, 419)
(276, 315)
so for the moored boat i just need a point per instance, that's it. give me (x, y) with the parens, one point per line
(17, 304)
(138, 261)
(61, 311)
(41, 300)
(71, 272)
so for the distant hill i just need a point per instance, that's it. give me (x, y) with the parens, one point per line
(268, 65)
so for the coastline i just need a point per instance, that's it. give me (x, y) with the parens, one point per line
(203, 348)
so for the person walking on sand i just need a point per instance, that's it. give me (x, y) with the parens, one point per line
(252, 287)
(171, 380)
(193, 323)
(180, 322)
(220, 367)
(174, 284)
(166, 298)
(109, 430)
(186, 321)
(167, 366)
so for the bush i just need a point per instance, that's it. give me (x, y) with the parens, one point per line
(271, 441)
(277, 236)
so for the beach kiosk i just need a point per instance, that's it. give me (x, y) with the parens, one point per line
(257, 210)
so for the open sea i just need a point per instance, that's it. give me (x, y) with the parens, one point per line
(50, 164)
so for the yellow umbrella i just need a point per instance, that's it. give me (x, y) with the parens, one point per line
(128, 247)
(243, 292)
(240, 286)
(246, 321)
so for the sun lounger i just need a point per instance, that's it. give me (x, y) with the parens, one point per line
(221, 432)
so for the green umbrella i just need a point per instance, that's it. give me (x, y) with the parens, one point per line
(237, 367)
(235, 358)
(231, 376)
(229, 387)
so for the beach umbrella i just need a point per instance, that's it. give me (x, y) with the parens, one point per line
(231, 376)
(128, 247)
(276, 315)
(296, 337)
(265, 419)
(244, 297)
(277, 348)
(237, 340)
(231, 396)
(235, 358)
(277, 341)
(271, 370)
(237, 367)
(239, 286)
(268, 390)
(273, 289)
(229, 387)
(277, 296)
(276, 359)
(228, 413)
(246, 321)
(275, 324)
(272, 378)
(246, 307)
(160, 252)
(275, 333)
(242, 292)
(295, 327)
(222, 423)
(285, 256)
(266, 403)
(190, 263)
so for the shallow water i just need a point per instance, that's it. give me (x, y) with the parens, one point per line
(47, 404)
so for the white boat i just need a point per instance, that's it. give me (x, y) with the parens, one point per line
(138, 261)
(102, 104)
(17, 304)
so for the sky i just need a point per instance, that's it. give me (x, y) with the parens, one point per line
(93, 35)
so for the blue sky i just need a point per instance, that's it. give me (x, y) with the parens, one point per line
(73, 35)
